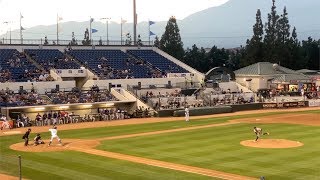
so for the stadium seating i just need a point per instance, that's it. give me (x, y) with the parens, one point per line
(16, 66)
(52, 58)
(78, 96)
(157, 60)
(111, 64)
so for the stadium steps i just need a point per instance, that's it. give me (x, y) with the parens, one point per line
(131, 96)
(46, 98)
(33, 61)
(83, 65)
(75, 60)
(136, 58)
(116, 93)
(205, 98)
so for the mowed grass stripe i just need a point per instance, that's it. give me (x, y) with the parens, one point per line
(78, 165)
(231, 156)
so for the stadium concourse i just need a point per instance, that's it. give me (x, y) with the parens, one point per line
(45, 85)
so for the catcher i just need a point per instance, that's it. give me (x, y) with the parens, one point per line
(258, 132)
(37, 140)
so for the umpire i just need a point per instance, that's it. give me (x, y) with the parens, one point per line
(26, 137)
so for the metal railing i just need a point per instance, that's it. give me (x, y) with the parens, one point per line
(67, 42)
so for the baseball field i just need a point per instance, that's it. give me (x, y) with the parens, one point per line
(208, 147)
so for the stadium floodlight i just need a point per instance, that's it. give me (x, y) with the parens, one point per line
(39, 108)
(107, 23)
(64, 107)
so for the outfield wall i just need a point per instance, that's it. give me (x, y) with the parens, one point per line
(237, 107)
(204, 111)
(314, 103)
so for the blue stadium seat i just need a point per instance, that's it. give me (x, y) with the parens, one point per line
(110, 64)
(51, 58)
(18, 65)
(157, 60)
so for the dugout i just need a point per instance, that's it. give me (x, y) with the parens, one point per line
(78, 108)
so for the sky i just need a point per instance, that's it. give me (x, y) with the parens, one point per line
(44, 12)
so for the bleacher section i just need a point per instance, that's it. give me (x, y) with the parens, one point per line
(16, 67)
(111, 64)
(52, 58)
(78, 96)
(164, 64)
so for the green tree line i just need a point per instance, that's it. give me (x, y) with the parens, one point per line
(275, 41)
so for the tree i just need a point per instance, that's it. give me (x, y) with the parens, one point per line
(297, 61)
(128, 40)
(193, 59)
(283, 27)
(235, 57)
(271, 35)
(45, 41)
(171, 40)
(254, 46)
(156, 42)
(310, 52)
(217, 57)
(73, 40)
(86, 41)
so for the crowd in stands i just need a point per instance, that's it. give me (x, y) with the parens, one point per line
(107, 64)
(142, 112)
(78, 96)
(107, 72)
(5, 75)
(64, 117)
(152, 71)
(305, 92)
(31, 98)
(22, 98)
(231, 99)
(52, 59)
(171, 100)
(15, 67)
(126, 72)
(222, 97)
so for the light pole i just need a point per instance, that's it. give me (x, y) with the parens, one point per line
(135, 16)
(8, 24)
(319, 54)
(107, 23)
(121, 23)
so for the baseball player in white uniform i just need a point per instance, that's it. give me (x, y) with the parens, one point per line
(5, 123)
(258, 132)
(186, 113)
(54, 134)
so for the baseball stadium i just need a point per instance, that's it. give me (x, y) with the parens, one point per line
(134, 128)
(114, 110)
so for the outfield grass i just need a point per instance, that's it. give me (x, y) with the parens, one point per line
(222, 151)
(189, 147)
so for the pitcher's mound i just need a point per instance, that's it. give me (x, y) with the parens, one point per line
(271, 143)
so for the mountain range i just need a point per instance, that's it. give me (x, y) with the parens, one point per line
(227, 25)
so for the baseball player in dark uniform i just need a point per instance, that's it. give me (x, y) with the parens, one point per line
(37, 140)
(258, 132)
(26, 137)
